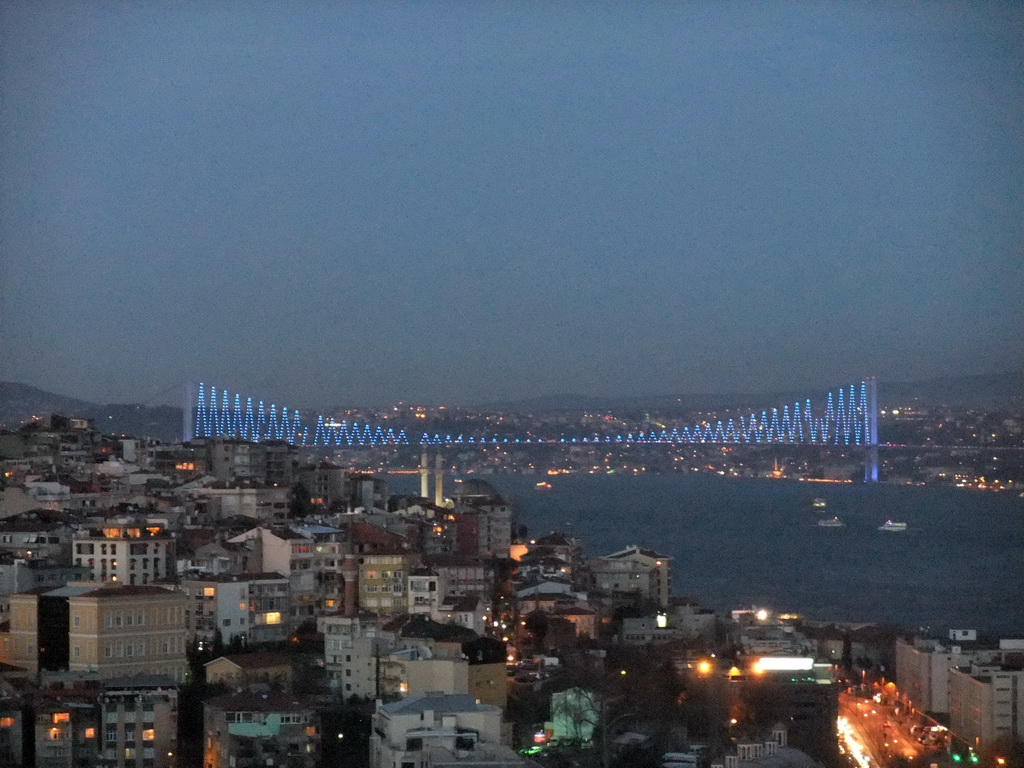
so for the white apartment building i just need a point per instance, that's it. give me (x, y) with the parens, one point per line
(252, 607)
(986, 702)
(922, 669)
(439, 730)
(126, 553)
(355, 654)
(634, 571)
(280, 550)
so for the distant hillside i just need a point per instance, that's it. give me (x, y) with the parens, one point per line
(20, 402)
(1000, 390)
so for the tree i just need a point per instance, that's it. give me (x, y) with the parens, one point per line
(299, 505)
(576, 715)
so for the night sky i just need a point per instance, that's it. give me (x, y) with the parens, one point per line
(460, 202)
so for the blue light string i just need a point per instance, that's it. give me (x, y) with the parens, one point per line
(843, 421)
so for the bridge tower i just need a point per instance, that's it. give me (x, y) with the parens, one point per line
(871, 438)
(188, 413)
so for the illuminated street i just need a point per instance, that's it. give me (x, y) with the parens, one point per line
(872, 735)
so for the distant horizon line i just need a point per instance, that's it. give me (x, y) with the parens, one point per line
(619, 399)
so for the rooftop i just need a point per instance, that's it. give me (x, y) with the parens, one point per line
(437, 702)
(134, 682)
(254, 660)
(126, 591)
(247, 701)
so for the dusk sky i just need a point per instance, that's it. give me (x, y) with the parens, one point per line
(457, 202)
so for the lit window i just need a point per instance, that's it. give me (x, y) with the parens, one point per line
(6, 722)
(149, 734)
(241, 606)
(61, 717)
(56, 734)
(90, 733)
(274, 617)
(209, 591)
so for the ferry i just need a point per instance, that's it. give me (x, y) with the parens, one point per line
(542, 486)
(831, 522)
(818, 504)
(889, 525)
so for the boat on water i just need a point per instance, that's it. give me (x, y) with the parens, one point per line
(542, 486)
(818, 503)
(831, 522)
(889, 525)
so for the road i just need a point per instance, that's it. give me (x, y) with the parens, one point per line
(872, 735)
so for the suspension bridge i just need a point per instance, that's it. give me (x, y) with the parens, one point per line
(846, 416)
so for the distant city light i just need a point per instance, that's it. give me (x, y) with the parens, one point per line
(785, 663)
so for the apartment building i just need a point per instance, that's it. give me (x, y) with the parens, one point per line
(264, 729)
(132, 554)
(634, 572)
(119, 631)
(66, 724)
(382, 581)
(33, 540)
(354, 647)
(439, 730)
(140, 722)
(923, 664)
(250, 608)
(986, 702)
(284, 551)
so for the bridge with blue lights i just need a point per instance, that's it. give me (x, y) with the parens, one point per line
(847, 416)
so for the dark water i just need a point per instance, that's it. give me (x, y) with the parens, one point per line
(737, 542)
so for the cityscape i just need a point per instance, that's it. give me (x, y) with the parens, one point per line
(440, 385)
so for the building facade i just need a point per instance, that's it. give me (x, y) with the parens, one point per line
(439, 730)
(140, 722)
(260, 729)
(122, 631)
(986, 702)
(132, 554)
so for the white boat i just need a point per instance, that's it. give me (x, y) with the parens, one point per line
(818, 503)
(889, 525)
(831, 522)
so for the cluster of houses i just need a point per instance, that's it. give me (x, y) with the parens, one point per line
(121, 557)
